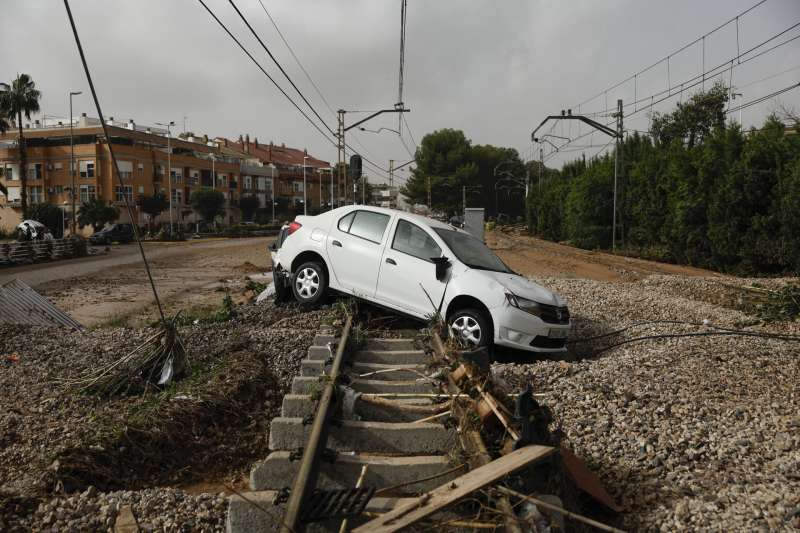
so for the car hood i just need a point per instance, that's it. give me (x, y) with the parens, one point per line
(525, 288)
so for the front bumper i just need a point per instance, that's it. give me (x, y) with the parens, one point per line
(517, 329)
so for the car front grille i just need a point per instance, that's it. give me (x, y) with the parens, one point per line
(540, 341)
(554, 315)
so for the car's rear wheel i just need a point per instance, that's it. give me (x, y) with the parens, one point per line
(309, 283)
(469, 328)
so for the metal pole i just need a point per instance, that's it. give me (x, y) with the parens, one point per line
(464, 201)
(169, 177)
(616, 172)
(272, 189)
(305, 203)
(391, 173)
(319, 171)
(72, 164)
(363, 190)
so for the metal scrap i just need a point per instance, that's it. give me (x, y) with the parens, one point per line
(20, 304)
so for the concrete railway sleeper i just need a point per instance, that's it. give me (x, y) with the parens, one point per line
(379, 416)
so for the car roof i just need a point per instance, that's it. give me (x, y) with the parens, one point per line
(419, 219)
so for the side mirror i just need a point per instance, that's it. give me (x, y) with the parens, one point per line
(442, 265)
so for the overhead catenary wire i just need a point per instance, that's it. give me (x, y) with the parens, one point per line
(674, 53)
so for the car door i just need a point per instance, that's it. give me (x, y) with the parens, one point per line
(355, 244)
(407, 278)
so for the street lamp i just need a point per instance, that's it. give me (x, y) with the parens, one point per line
(72, 162)
(380, 130)
(305, 204)
(169, 170)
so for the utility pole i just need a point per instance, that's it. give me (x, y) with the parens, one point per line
(305, 202)
(464, 200)
(319, 171)
(616, 173)
(391, 173)
(363, 189)
(430, 206)
(72, 165)
(342, 175)
(168, 125)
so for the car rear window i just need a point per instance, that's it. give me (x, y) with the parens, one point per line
(344, 222)
(368, 225)
(413, 240)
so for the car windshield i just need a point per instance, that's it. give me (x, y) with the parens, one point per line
(471, 251)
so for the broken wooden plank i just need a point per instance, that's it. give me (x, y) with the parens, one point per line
(453, 491)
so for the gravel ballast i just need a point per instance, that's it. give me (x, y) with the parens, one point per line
(699, 433)
(65, 460)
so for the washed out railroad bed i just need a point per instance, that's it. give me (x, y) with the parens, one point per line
(66, 456)
(690, 433)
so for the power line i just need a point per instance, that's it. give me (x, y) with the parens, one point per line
(679, 50)
(764, 98)
(253, 59)
(280, 67)
(768, 77)
(297, 59)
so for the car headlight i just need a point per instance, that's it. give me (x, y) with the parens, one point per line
(529, 306)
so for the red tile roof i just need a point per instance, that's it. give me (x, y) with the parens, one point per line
(279, 155)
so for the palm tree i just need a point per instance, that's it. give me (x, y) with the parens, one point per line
(18, 99)
(4, 126)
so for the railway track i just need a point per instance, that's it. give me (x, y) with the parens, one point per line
(377, 435)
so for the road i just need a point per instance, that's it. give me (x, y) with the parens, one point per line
(113, 286)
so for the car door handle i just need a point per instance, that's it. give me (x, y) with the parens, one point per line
(391, 261)
(337, 243)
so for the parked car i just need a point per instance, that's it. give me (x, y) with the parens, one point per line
(116, 232)
(419, 267)
(31, 230)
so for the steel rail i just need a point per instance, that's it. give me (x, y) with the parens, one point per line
(306, 479)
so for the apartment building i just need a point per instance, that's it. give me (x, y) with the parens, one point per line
(289, 165)
(143, 158)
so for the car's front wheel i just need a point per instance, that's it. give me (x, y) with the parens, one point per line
(469, 328)
(309, 283)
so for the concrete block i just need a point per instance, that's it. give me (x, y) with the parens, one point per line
(301, 405)
(256, 513)
(277, 471)
(387, 372)
(400, 386)
(390, 344)
(320, 352)
(391, 357)
(312, 367)
(359, 436)
(322, 340)
(307, 385)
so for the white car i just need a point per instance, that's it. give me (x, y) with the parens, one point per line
(419, 267)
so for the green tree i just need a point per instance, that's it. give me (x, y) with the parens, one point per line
(49, 215)
(18, 99)
(208, 203)
(694, 119)
(248, 205)
(97, 213)
(444, 158)
(153, 205)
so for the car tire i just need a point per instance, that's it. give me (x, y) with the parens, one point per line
(309, 283)
(470, 328)
(283, 288)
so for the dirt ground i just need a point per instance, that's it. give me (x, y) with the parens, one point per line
(537, 258)
(187, 275)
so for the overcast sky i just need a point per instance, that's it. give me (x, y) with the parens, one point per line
(494, 68)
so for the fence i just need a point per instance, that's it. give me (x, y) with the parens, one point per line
(22, 253)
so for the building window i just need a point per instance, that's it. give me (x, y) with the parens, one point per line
(125, 169)
(59, 189)
(222, 180)
(160, 171)
(128, 192)
(298, 186)
(35, 171)
(177, 175)
(177, 197)
(36, 195)
(141, 168)
(58, 166)
(86, 169)
(248, 182)
(88, 193)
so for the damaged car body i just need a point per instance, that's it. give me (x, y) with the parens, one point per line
(421, 268)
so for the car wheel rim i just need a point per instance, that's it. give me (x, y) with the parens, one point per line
(466, 330)
(307, 283)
